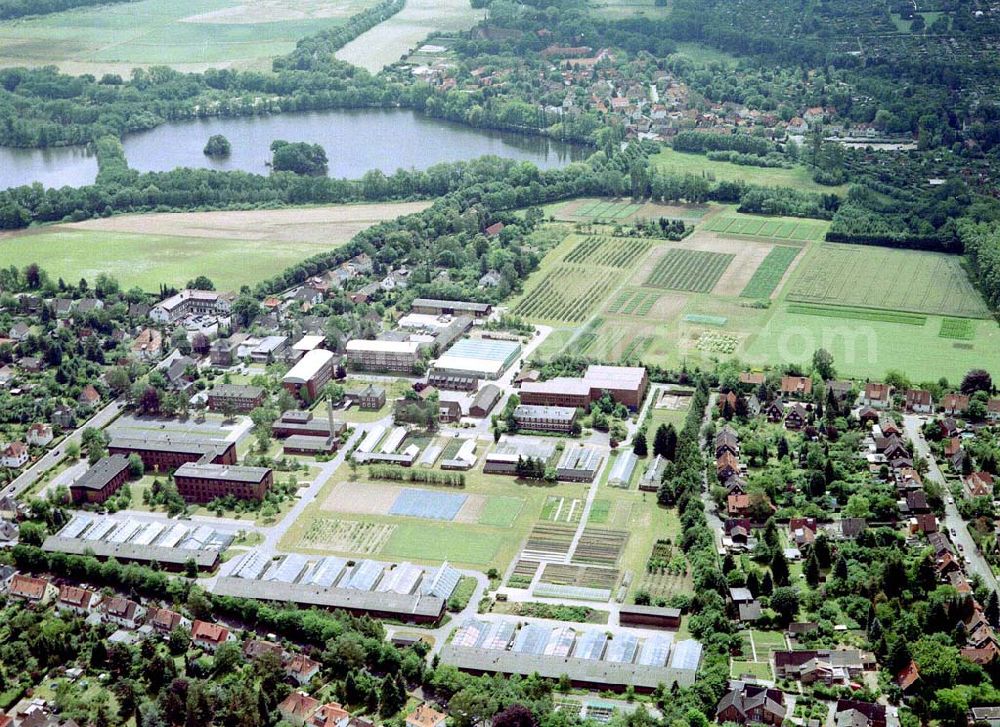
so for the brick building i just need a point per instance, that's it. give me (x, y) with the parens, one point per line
(308, 377)
(101, 481)
(626, 384)
(168, 451)
(205, 482)
(236, 397)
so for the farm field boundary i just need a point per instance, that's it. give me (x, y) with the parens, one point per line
(694, 271)
(859, 314)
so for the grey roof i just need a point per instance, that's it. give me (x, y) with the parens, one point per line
(157, 442)
(222, 472)
(105, 470)
(451, 304)
(661, 611)
(131, 551)
(486, 397)
(356, 600)
(236, 391)
(553, 413)
(589, 671)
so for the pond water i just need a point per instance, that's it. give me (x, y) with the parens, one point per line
(355, 142)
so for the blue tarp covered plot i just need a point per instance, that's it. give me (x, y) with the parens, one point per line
(427, 504)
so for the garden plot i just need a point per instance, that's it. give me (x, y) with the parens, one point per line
(429, 505)
(608, 251)
(355, 498)
(781, 228)
(568, 293)
(346, 536)
(600, 547)
(523, 573)
(693, 271)
(562, 509)
(768, 275)
(887, 279)
(579, 576)
(548, 542)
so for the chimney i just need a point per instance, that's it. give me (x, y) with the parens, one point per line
(329, 413)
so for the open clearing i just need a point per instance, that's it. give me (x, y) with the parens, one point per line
(388, 41)
(233, 248)
(887, 279)
(190, 35)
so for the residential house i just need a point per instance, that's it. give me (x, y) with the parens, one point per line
(751, 704)
(209, 636)
(955, 404)
(727, 440)
(919, 401)
(841, 390)
(14, 455)
(752, 379)
(908, 676)
(855, 713)
(993, 410)
(89, 396)
(39, 434)
(802, 530)
(301, 668)
(775, 411)
(796, 386)
(124, 612)
(163, 620)
(425, 716)
(726, 465)
(80, 601)
(737, 530)
(255, 648)
(19, 331)
(148, 345)
(329, 715)
(877, 395)
(32, 590)
(797, 417)
(979, 484)
(298, 707)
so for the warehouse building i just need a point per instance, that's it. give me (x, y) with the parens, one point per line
(622, 470)
(654, 616)
(307, 378)
(579, 464)
(434, 307)
(132, 541)
(587, 656)
(484, 401)
(403, 592)
(504, 457)
(305, 424)
(164, 452)
(626, 384)
(206, 482)
(477, 358)
(101, 481)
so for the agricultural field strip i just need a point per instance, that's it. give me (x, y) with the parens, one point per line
(567, 293)
(693, 271)
(769, 273)
(859, 314)
(608, 251)
(781, 229)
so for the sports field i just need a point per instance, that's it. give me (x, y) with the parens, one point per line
(887, 279)
(188, 34)
(232, 248)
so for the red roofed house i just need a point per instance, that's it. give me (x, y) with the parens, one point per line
(32, 590)
(163, 620)
(124, 612)
(301, 668)
(749, 378)
(955, 403)
(495, 229)
(993, 410)
(796, 385)
(14, 455)
(979, 484)
(78, 600)
(738, 505)
(919, 401)
(425, 716)
(298, 707)
(210, 636)
(329, 715)
(89, 396)
(877, 396)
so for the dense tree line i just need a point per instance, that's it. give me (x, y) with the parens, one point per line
(981, 241)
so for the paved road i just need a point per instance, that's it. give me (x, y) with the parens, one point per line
(56, 455)
(974, 560)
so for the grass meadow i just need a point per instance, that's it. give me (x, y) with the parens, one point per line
(189, 34)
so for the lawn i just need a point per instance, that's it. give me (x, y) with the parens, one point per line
(886, 279)
(501, 511)
(620, 9)
(799, 177)
(445, 541)
(760, 670)
(189, 34)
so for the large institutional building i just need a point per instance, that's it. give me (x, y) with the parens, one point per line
(308, 377)
(626, 384)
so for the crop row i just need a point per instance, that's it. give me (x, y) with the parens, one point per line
(561, 295)
(962, 329)
(858, 314)
(695, 271)
(608, 251)
(770, 272)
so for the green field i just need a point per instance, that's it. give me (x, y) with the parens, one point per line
(886, 279)
(149, 260)
(778, 228)
(675, 162)
(772, 269)
(759, 669)
(695, 271)
(188, 33)
(501, 511)
(608, 251)
(445, 541)
(961, 329)
(857, 314)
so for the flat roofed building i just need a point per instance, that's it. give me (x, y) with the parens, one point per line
(477, 358)
(666, 618)
(305, 424)
(382, 355)
(435, 307)
(545, 418)
(168, 451)
(101, 481)
(308, 377)
(236, 397)
(205, 482)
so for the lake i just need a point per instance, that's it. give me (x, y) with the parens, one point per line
(355, 142)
